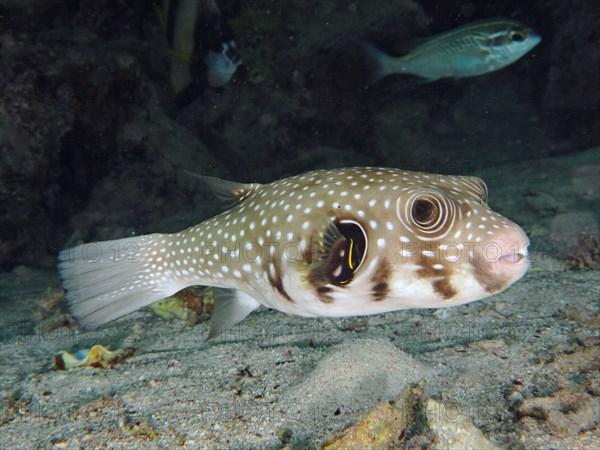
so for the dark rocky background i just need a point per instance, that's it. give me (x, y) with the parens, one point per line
(92, 146)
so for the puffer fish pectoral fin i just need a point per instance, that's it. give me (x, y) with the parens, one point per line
(314, 257)
(231, 307)
(227, 191)
(338, 251)
(331, 235)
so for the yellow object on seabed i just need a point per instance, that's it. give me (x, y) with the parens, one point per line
(98, 356)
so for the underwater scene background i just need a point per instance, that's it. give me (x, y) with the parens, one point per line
(96, 139)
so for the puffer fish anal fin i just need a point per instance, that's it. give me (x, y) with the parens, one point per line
(227, 191)
(231, 307)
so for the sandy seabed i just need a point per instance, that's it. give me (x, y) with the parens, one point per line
(521, 366)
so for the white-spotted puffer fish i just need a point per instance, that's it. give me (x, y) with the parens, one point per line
(473, 49)
(341, 242)
(203, 49)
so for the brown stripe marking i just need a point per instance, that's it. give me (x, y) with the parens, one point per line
(277, 282)
(486, 277)
(444, 288)
(323, 294)
(441, 278)
(380, 280)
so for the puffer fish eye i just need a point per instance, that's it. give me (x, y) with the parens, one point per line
(516, 36)
(428, 213)
(424, 211)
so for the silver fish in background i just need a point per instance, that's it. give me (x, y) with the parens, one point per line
(203, 49)
(473, 49)
(333, 243)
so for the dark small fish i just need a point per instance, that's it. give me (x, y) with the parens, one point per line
(203, 49)
(473, 49)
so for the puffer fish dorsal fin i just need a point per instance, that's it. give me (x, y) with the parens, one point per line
(231, 307)
(475, 187)
(227, 191)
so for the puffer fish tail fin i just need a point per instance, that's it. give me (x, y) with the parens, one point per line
(107, 280)
(378, 63)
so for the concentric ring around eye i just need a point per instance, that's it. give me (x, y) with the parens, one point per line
(426, 212)
(431, 215)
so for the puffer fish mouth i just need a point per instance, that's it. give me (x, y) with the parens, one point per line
(512, 262)
(515, 257)
(512, 266)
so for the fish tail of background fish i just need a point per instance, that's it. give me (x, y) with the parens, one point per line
(379, 64)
